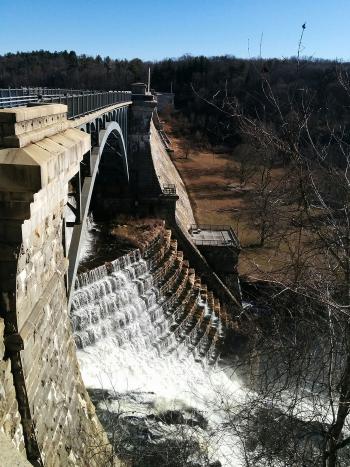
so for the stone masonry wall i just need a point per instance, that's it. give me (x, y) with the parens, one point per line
(10, 420)
(168, 174)
(57, 417)
(66, 427)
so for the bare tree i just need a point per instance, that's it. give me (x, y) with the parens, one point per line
(301, 398)
(265, 201)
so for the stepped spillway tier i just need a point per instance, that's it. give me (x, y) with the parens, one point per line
(156, 288)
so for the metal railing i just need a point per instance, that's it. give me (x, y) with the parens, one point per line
(82, 104)
(208, 242)
(215, 227)
(15, 97)
(169, 189)
(17, 101)
(79, 103)
(38, 90)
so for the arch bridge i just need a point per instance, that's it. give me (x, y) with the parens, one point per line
(47, 119)
(51, 148)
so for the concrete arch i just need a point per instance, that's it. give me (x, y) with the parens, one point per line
(86, 193)
(114, 127)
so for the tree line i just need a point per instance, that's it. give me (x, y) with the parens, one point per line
(193, 79)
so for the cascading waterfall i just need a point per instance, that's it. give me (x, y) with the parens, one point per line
(130, 340)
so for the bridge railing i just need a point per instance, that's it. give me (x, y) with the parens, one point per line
(79, 102)
(17, 101)
(15, 97)
(82, 104)
(38, 90)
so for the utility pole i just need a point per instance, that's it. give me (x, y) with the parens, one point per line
(149, 79)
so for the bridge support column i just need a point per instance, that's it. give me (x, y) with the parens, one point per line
(144, 180)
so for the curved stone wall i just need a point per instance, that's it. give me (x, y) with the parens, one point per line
(168, 174)
(182, 219)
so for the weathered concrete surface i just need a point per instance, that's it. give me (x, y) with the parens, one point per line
(21, 126)
(144, 178)
(168, 174)
(58, 420)
(33, 191)
(10, 421)
(9, 456)
(25, 115)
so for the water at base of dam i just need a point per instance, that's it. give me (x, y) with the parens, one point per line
(139, 372)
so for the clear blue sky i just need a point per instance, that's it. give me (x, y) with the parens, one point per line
(156, 29)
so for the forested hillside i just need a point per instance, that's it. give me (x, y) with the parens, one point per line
(213, 78)
(66, 69)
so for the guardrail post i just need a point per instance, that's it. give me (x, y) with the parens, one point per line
(73, 112)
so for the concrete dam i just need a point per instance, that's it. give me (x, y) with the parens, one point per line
(100, 361)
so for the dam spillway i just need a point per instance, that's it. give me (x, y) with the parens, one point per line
(145, 326)
(170, 323)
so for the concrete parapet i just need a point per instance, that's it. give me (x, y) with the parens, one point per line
(167, 173)
(22, 125)
(23, 114)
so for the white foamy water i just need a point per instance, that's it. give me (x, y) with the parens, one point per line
(125, 344)
(88, 238)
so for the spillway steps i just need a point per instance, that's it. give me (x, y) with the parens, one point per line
(157, 287)
(155, 252)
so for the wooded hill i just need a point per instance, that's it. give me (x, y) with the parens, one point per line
(213, 78)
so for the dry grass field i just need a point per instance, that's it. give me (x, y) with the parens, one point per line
(217, 196)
